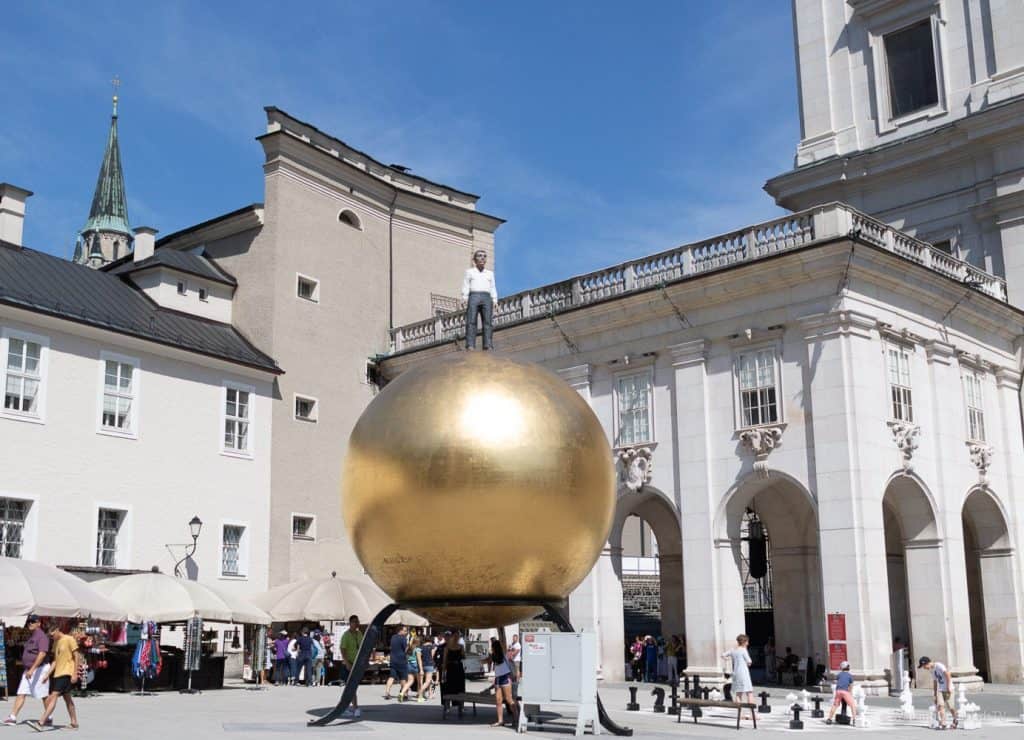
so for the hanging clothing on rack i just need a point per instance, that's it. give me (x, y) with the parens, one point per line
(146, 662)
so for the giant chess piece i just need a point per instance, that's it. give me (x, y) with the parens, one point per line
(967, 711)
(860, 696)
(906, 710)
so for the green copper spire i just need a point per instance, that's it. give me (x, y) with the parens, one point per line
(109, 211)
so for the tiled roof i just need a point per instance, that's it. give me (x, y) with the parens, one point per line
(188, 262)
(40, 282)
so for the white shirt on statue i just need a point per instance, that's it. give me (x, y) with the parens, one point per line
(479, 281)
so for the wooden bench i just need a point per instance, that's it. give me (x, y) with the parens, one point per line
(738, 706)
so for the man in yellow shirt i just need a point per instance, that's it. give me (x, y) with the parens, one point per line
(350, 642)
(62, 676)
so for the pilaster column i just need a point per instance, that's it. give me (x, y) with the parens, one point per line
(848, 479)
(702, 587)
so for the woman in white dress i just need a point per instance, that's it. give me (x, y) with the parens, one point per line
(742, 686)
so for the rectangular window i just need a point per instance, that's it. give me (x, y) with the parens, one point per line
(182, 288)
(231, 549)
(975, 406)
(302, 527)
(306, 408)
(13, 513)
(308, 289)
(24, 376)
(203, 294)
(118, 396)
(759, 402)
(107, 529)
(945, 246)
(236, 420)
(910, 58)
(898, 361)
(634, 409)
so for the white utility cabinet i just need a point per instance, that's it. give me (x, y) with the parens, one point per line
(560, 670)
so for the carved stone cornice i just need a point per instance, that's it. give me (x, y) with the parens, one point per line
(1007, 378)
(838, 323)
(577, 376)
(634, 465)
(981, 456)
(939, 352)
(684, 354)
(905, 435)
(761, 441)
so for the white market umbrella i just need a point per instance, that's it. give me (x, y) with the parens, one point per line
(158, 597)
(28, 587)
(330, 599)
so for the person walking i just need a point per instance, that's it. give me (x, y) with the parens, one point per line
(504, 675)
(62, 676)
(304, 659)
(942, 683)
(426, 670)
(650, 659)
(742, 686)
(35, 678)
(844, 684)
(481, 295)
(415, 670)
(453, 673)
(398, 663)
(350, 642)
(282, 673)
(318, 660)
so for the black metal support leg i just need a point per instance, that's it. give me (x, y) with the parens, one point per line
(359, 668)
(606, 722)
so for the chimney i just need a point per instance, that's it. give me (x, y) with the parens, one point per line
(12, 212)
(145, 243)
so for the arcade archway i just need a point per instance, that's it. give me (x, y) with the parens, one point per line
(991, 583)
(772, 529)
(647, 551)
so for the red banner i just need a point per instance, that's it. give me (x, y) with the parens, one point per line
(837, 627)
(836, 655)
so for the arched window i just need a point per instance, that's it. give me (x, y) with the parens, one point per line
(348, 218)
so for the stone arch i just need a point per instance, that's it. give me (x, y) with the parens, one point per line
(653, 507)
(795, 617)
(913, 566)
(992, 582)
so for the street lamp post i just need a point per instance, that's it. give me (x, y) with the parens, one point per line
(195, 526)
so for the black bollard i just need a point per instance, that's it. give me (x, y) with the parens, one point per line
(659, 700)
(765, 708)
(632, 706)
(727, 690)
(843, 718)
(674, 706)
(796, 723)
(817, 713)
(696, 687)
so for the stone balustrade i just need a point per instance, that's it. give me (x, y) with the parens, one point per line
(755, 242)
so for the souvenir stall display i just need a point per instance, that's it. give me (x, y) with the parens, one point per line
(147, 661)
(3, 662)
(256, 659)
(193, 650)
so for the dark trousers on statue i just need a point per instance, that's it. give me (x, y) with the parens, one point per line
(479, 304)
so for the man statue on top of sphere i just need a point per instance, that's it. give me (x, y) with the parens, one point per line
(480, 295)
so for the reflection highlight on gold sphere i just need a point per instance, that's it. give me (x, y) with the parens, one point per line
(473, 477)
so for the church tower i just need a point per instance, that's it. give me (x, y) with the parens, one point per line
(106, 235)
(913, 111)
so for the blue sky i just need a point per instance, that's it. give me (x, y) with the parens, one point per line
(601, 130)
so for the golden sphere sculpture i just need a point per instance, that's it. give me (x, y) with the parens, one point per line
(473, 477)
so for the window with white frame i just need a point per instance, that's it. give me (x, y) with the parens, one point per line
(231, 550)
(975, 406)
(24, 376)
(308, 288)
(758, 387)
(237, 416)
(13, 514)
(303, 527)
(910, 61)
(306, 408)
(203, 294)
(633, 409)
(108, 529)
(119, 384)
(900, 391)
(182, 287)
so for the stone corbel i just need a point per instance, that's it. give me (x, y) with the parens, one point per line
(634, 465)
(761, 441)
(906, 436)
(981, 456)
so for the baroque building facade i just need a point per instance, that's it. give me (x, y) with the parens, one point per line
(820, 416)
